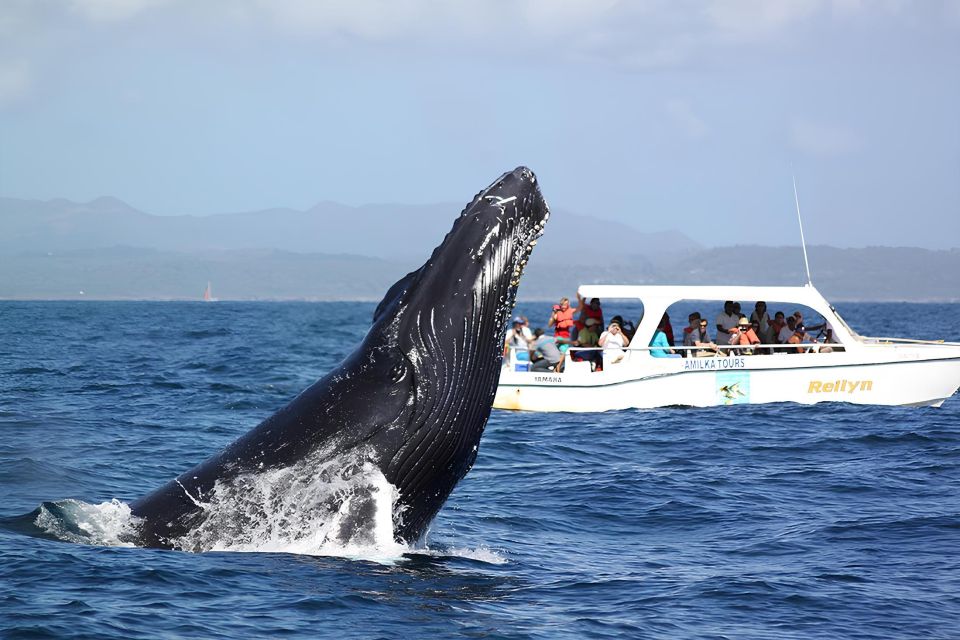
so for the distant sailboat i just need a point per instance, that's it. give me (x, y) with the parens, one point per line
(208, 294)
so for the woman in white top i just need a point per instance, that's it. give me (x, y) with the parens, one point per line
(613, 341)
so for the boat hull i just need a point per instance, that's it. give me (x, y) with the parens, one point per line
(901, 377)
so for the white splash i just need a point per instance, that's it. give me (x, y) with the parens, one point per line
(341, 507)
(480, 554)
(107, 524)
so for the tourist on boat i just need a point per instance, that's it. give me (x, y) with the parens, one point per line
(591, 310)
(517, 340)
(761, 320)
(726, 321)
(660, 340)
(743, 335)
(613, 341)
(586, 345)
(778, 323)
(625, 325)
(799, 338)
(693, 321)
(830, 339)
(787, 330)
(698, 336)
(811, 328)
(544, 352)
(667, 327)
(562, 319)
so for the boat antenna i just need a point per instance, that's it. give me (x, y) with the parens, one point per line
(803, 243)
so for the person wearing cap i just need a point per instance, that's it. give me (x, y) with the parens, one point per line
(587, 341)
(697, 335)
(517, 340)
(744, 335)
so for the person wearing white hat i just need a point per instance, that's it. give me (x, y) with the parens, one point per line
(743, 334)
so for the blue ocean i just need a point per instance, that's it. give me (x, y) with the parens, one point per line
(777, 521)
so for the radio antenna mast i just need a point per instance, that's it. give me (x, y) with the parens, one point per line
(803, 243)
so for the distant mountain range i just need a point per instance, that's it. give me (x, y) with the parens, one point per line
(388, 231)
(110, 250)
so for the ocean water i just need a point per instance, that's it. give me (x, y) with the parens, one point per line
(778, 521)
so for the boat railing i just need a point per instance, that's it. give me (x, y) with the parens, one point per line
(877, 341)
(736, 349)
(720, 350)
(726, 347)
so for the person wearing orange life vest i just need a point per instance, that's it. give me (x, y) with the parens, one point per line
(562, 319)
(743, 334)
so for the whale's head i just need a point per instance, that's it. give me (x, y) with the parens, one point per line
(441, 329)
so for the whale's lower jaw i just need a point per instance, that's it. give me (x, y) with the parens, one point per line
(411, 401)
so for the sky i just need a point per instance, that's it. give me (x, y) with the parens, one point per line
(693, 115)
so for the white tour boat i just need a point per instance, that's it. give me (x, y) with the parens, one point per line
(857, 369)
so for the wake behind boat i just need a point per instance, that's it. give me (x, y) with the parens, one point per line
(851, 368)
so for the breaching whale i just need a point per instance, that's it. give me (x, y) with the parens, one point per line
(411, 402)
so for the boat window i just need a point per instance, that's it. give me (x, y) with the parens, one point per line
(770, 329)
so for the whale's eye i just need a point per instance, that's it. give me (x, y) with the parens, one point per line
(397, 372)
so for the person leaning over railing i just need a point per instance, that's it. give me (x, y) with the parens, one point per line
(545, 354)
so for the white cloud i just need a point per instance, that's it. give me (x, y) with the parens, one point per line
(823, 140)
(640, 35)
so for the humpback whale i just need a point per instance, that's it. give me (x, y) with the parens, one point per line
(409, 405)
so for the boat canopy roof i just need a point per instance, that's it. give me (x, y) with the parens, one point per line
(657, 298)
(805, 295)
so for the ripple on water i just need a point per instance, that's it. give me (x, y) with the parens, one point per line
(744, 522)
